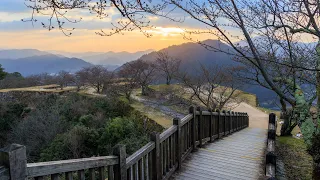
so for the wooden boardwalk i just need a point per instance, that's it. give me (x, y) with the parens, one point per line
(238, 156)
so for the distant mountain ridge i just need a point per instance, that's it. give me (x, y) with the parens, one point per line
(114, 58)
(43, 64)
(20, 53)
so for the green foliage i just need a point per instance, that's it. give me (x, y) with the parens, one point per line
(2, 73)
(314, 150)
(54, 127)
(293, 153)
(10, 115)
(123, 130)
(80, 141)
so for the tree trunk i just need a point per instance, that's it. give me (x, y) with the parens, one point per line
(168, 80)
(318, 83)
(144, 90)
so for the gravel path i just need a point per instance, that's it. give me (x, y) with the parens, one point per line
(257, 118)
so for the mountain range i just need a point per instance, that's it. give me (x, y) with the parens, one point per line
(106, 58)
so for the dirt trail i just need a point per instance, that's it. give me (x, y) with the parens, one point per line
(257, 118)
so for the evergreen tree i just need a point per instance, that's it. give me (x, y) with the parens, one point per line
(2, 73)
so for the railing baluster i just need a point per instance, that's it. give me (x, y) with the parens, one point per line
(102, 173)
(110, 173)
(140, 170)
(218, 122)
(69, 175)
(39, 178)
(145, 167)
(81, 175)
(177, 122)
(193, 128)
(211, 126)
(92, 174)
(55, 177)
(150, 170)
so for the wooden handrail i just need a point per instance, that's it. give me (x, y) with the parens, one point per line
(157, 160)
(55, 167)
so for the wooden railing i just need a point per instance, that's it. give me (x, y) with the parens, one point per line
(271, 157)
(158, 159)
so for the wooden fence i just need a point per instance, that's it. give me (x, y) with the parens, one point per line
(270, 154)
(158, 159)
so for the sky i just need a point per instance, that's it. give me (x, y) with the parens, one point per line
(15, 34)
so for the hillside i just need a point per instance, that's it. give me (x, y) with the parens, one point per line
(43, 64)
(193, 54)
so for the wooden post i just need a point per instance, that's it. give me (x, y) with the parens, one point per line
(211, 126)
(177, 122)
(120, 170)
(272, 118)
(224, 122)
(218, 126)
(230, 121)
(14, 158)
(237, 119)
(156, 165)
(247, 120)
(192, 110)
(200, 130)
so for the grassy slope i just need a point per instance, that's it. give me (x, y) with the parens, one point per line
(298, 163)
(249, 98)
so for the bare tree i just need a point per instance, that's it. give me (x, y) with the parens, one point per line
(139, 72)
(97, 77)
(130, 80)
(64, 78)
(168, 66)
(214, 86)
(79, 79)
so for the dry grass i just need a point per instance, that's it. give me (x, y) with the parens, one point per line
(248, 98)
(54, 88)
(152, 113)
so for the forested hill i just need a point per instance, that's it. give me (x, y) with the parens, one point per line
(192, 55)
(43, 64)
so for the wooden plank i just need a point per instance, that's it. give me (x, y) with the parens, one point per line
(236, 156)
(135, 157)
(53, 167)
